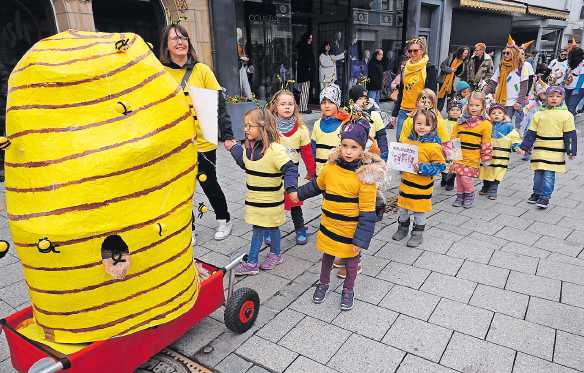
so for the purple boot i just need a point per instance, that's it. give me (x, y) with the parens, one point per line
(468, 200)
(272, 260)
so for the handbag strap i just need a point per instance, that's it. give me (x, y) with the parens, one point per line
(186, 76)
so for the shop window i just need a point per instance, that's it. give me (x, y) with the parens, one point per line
(426, 16)
(143, 17)
(22, 23)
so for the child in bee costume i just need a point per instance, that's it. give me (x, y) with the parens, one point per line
(99, 184)
(505, 140)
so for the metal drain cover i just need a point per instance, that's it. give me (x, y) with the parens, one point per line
(169, 361)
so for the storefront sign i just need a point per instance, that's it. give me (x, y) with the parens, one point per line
(360, 17)
(258, 19)
(386, 20)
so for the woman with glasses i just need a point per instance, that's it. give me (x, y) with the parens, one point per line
(510, 82)
(416, 75)
(178, 55)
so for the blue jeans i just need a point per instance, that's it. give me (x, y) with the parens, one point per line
(402, 115)
(518, 116)
(257, 239)
(543, 183)
(376, 95)
(573, 99)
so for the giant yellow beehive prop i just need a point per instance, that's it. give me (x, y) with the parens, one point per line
(101, 145)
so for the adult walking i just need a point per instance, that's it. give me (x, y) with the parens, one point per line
(575, 79)
(480, 66)
(178, 56)
(328, 65)
(510, 82)
(558, 68)
(454, 66)
(375, 70)
(306, 68)
(416, 75)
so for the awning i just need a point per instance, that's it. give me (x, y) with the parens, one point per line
(549, 13)
(495, 5)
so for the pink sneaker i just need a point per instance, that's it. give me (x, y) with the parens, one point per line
(272, 260)
(245, 268)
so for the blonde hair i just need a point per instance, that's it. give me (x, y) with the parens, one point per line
(273, 105)
(266, 124)
(430, 93)
(476, 95)
(421, 41)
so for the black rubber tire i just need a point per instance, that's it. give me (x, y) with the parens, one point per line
(242, 298)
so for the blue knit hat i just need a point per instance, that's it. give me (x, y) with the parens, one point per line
(557, 89)
(460, 86)
(357, 130)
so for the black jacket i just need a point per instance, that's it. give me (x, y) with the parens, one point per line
(431, 82)
(375, 73)
(306, 63)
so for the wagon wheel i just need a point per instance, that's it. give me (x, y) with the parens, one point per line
(242, 310)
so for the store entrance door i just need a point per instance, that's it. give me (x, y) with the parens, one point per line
(337, 34)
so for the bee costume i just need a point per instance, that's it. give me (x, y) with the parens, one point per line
(101, 166)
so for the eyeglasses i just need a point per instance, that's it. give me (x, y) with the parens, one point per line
(180, 38)
(413, 50)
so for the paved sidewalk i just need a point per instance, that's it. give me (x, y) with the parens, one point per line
(497, 288)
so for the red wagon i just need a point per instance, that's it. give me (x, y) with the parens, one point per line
(127, 353)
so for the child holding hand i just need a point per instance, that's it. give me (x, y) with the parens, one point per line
(266, 163)
(551, 134)
(505, 140)
(295, 137)
(348, 184)
(474, 133)
(455, 108)
(415, 190)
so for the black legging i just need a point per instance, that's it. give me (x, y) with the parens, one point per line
(211, 187)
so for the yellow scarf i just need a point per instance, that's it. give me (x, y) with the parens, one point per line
(446, 87)
(414, 80)
(504, 70)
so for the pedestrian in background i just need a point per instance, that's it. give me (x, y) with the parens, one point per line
(575, 80)
(178, 56)
(480, 66)
(451, 69)
(551, 135)
(375, 70)
(306, 68)
(348, 184)
(416, 75)
(328, 65)
(269, 172)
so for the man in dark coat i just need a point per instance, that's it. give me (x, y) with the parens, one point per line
(306, 66)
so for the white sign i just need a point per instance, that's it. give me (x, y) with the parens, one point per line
(206, 106)
(402, 157)
(456, 150)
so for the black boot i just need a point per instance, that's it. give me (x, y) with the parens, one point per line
(416, 237)
(402, 230)
(492, 194)
(444, 179)
(485, 189)
(450, 181)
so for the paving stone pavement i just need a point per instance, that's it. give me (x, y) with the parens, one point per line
(497, 288)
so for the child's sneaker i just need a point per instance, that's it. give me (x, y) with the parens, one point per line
(342, 272)
(272, 260)
(320, 293)
(468, 200)
(543, 203)
(301, 236)
(245, 268)
(339, 262)
(533, 199)
(459, 200)
(347, 299)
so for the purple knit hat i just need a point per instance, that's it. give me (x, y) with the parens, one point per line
(357, 130)
(498, 107)
(555, 88)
